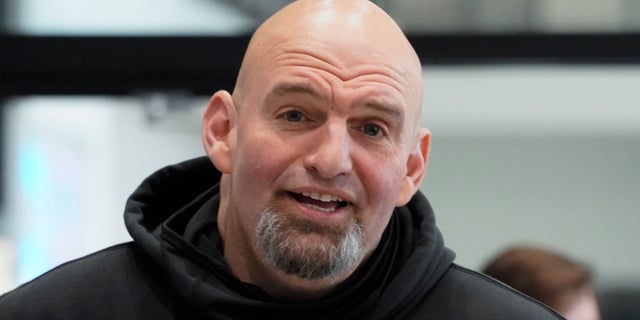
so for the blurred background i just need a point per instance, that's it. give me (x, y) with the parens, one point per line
(534, 107)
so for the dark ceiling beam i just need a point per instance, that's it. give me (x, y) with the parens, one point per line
(117, 65)
(202, 65)
(549, 48)
(3, 14)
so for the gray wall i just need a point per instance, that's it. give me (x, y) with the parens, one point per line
(540, 155)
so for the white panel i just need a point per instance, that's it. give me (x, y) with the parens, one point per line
(164, 17)
(582, 15)
(538, 100)
(71, 163)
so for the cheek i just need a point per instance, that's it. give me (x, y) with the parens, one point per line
(254, 147)
(258, 161)
(255, 163)
(382, 181)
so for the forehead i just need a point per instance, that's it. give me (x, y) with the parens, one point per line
(356, 50)
(329, 71)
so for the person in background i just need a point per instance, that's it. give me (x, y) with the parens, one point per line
(306, 205)
(555, 280)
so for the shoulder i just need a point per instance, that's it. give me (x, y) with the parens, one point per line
(85, 271)
(83, 288)
(471, 295)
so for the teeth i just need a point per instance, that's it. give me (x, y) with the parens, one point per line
(320, 208)
(322, 197)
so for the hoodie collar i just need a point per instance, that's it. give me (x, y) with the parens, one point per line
(172, 216)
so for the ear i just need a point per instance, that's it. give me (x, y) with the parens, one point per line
(217, 124)
(416, 168)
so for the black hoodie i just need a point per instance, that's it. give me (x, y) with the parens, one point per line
(174, 269)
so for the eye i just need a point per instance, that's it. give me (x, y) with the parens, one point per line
(293, 116)
(371, 129)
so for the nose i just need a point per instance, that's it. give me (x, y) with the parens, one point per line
(329, 155)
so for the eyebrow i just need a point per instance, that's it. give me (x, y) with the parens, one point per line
(391, 110)
(285, 88)
(294, 87)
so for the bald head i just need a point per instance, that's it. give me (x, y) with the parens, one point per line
(357, 32)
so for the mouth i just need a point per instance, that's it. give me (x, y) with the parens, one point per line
(322, 202)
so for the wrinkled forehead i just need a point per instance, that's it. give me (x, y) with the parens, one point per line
(350, 37)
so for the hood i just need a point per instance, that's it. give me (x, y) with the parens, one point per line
(406, 265)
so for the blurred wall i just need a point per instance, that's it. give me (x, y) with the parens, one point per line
(546, 155)
(70, 164)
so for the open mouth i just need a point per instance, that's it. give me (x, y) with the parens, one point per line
(321, 202)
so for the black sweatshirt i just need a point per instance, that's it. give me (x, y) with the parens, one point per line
(174, 269)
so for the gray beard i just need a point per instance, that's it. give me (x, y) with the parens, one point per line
(280, 236)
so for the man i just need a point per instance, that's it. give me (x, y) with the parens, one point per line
(306, 206)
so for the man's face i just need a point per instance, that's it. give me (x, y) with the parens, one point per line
(320, 153)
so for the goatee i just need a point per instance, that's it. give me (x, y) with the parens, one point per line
(306, 249)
